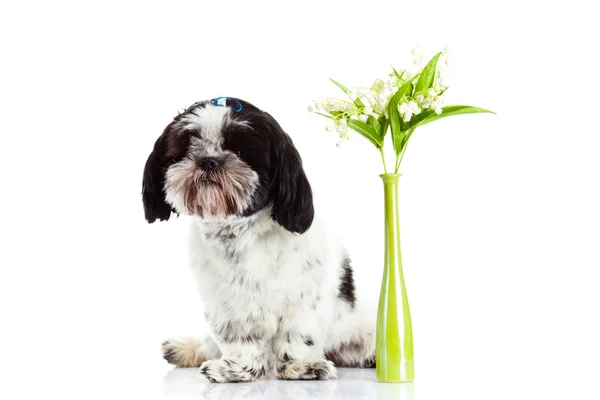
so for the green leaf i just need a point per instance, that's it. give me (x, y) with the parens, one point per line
(427, 75)
(356, 101)
(405, 90)
(417, 119)
(398, 126)
(336, 113)
(323, 115)
(398, 75)
(384, 123)
(344, 88)
(375, 124)
(367, 131)
(395, 124)
(448, 111)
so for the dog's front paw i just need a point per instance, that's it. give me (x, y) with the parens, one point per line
(232, 370)
(307, 369)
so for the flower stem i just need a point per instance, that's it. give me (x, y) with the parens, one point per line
(383, 160)
(399, 160)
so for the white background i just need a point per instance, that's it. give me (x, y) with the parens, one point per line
(500, 214)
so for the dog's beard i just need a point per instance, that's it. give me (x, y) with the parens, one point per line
(224, 192)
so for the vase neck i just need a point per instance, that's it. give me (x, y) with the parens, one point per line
(390, 178)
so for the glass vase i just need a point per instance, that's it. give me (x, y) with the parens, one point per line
(394, 358)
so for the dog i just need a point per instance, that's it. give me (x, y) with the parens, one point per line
(278, 289)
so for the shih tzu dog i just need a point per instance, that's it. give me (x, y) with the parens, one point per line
(278, 291)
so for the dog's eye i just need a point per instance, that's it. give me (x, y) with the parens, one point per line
(239, 153)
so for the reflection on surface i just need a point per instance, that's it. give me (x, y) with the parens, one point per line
(351, 384)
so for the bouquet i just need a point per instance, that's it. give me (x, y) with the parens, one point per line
(401, 103)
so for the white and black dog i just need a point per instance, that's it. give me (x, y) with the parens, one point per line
(278, 291)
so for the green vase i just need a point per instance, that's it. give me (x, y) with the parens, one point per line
(395, 360)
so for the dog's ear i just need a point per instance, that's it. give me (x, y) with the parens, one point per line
(153, 195)
(290, 191)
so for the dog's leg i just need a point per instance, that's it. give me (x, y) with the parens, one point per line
(351, 339)
(242, 361)
(190, 352)
(298, 345)
(244, 343)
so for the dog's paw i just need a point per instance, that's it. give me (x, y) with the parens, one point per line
(183, 353)
(232, 370)
(307, 369)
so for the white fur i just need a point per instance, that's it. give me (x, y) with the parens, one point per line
(210, 120)
(279, 290)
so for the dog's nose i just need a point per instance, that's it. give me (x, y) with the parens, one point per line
(208, 164)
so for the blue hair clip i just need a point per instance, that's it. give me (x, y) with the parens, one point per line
(218, 103)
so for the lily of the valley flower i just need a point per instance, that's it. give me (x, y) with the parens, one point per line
(437, 105)
(426, 102)
(341, 126)
(407, 110)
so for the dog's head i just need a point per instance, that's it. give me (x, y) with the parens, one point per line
(226, 159)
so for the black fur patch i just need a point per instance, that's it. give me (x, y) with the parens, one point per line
(347, 290)
(308, 341)
(169, 355)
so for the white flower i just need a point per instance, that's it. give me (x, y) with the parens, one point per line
(437, 105)
(365, 100)
(319, 106)
(341, 126)
(363, 118)
(440, 84)
(419, 98)
(426, 103)
(431, 92)
(368, 110)
(348, 107)
(405, 110)
(391, 81)
(414, 107)
(378, 85)
(329, 127)
(416, 51)
(446, 55)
